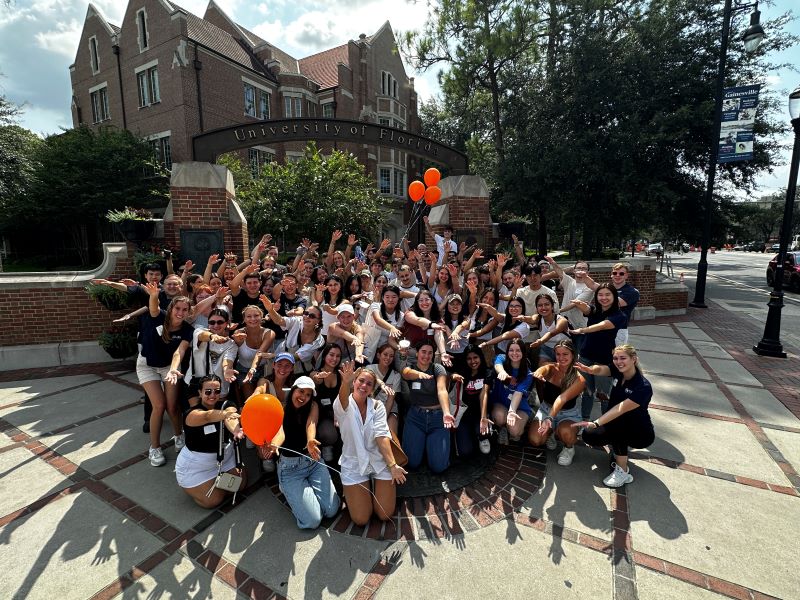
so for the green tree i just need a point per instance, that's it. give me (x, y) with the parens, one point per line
(83, 173)
(309, 198)
(18, 157)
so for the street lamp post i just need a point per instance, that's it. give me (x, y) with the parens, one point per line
(770, 344)
(752, 38)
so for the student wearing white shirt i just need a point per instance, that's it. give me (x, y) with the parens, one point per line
(444, 242)
(366, 449)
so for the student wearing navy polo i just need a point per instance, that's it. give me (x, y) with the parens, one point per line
(626, 423)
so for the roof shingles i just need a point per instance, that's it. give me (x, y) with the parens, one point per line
(322, 67)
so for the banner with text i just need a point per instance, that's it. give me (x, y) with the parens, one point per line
(736, 129)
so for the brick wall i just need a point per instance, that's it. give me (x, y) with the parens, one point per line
(56, 306)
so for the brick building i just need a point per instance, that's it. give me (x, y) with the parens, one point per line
(167, 75)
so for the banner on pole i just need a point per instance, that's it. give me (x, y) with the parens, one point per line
(736, 129)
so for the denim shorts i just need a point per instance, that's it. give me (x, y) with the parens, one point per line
(573, 414)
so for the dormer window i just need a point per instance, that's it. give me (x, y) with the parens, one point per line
(141, 23)
(388, 84)
(94, 58)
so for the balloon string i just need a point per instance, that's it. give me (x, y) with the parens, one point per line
(336, 470)
(412, 219)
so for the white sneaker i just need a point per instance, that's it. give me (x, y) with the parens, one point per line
(485, 446)
(180, 442)
(566, 456)
(551, 442)
(327, 453)
(502, 436)
(268, 465)
(618, 478)
(156, 457)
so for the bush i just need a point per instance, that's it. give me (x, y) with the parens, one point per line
(109, 297)
(119, 342)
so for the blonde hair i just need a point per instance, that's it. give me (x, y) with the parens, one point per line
(621, 266)
(252, 306)
(631, 352)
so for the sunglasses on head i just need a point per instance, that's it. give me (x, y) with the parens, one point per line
(216, 322)
(215, 392)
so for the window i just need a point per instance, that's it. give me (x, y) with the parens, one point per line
(149, 89)
(399, 182)
(264, 99)
(292, 106)
(141, 22)
(385, 121)
(162, 152)
(257, 159)
(385, 180)
(388, 84)
(249, 100)
(93, 56)
(327, 110)
(99, 100)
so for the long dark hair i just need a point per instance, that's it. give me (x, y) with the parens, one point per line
(483, 367)
(436, 316)
(448, 316)
(346, 290)
(397, 312)
(614, 308)
(380, 349)
(524, 367)
(326, 349)
(326, 295)
(509, 323)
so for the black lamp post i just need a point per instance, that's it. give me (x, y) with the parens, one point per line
(752, 37)
(770, 344)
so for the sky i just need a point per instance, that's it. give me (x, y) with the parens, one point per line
(39, 39)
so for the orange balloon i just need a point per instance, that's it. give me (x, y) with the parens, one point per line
(416, 190)
(432, 195)
(261, 418)
(432, 177)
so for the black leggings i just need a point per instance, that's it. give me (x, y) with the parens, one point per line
(619, 438)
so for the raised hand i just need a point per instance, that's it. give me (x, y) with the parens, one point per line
(336, 235)
(213, 259)
(128, 282)
(266, 302)
(347, 371)
(151, 289)
(352, 240)
(188, 266)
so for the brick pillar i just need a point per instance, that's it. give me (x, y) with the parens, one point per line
(465, 207)
(202, 197)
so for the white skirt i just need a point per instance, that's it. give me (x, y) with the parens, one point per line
(196, 468)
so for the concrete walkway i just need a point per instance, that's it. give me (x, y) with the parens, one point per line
(713, 510)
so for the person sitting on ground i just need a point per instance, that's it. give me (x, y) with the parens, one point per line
(303, 479)
(196, 468)
(510, 407)
(367, 459)
(388, 385)
(475, 379)
(428, 420)
(626, 423)
(558, 385)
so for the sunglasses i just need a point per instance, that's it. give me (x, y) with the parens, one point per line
(310, 315)
(216, 322)
(618, 273)
(211, 392)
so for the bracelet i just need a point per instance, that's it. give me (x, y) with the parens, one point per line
(596, 424)
(391, 466)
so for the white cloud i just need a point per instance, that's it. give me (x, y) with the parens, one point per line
(62, 40)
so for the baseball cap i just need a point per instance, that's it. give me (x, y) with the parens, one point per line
(366, 273)
(285, 356)
(306, 383)
(343, 308)
(454, 298)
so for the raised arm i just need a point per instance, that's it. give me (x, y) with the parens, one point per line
(152, 302)
(274, 316)
(348, 374)
(335, 236)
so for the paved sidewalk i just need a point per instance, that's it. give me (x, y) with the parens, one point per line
(713, 510)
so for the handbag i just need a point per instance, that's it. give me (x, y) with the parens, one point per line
(226, 481)
(457, 407)
(397, 450)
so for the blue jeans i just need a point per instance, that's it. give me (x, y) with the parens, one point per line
(594, 384)
(308, 489)
(424, 431)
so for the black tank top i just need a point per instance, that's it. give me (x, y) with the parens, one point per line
(294, 426)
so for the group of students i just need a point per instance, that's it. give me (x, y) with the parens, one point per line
(425, 350)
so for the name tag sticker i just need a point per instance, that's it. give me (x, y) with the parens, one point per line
(209, 429)
(325, 401)
(416, 385)
(430, 331)
(511, 396)
(478, 385)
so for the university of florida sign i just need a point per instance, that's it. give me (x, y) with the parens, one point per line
(208, 146)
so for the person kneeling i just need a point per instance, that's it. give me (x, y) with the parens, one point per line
(366, 453)
(199, 464)
(302, 478)
(558, 385)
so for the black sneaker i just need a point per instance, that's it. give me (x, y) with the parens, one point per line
(146, 427)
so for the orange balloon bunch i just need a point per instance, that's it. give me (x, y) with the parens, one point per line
(429, 190)
(261, 418)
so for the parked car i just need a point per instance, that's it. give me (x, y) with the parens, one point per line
(776, 247)
(656, 249)
(791, 271)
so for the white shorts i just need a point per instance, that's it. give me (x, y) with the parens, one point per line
(354, 478)
(196, 468)
(147, 373)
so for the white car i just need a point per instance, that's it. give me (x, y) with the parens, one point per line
(656, 249)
